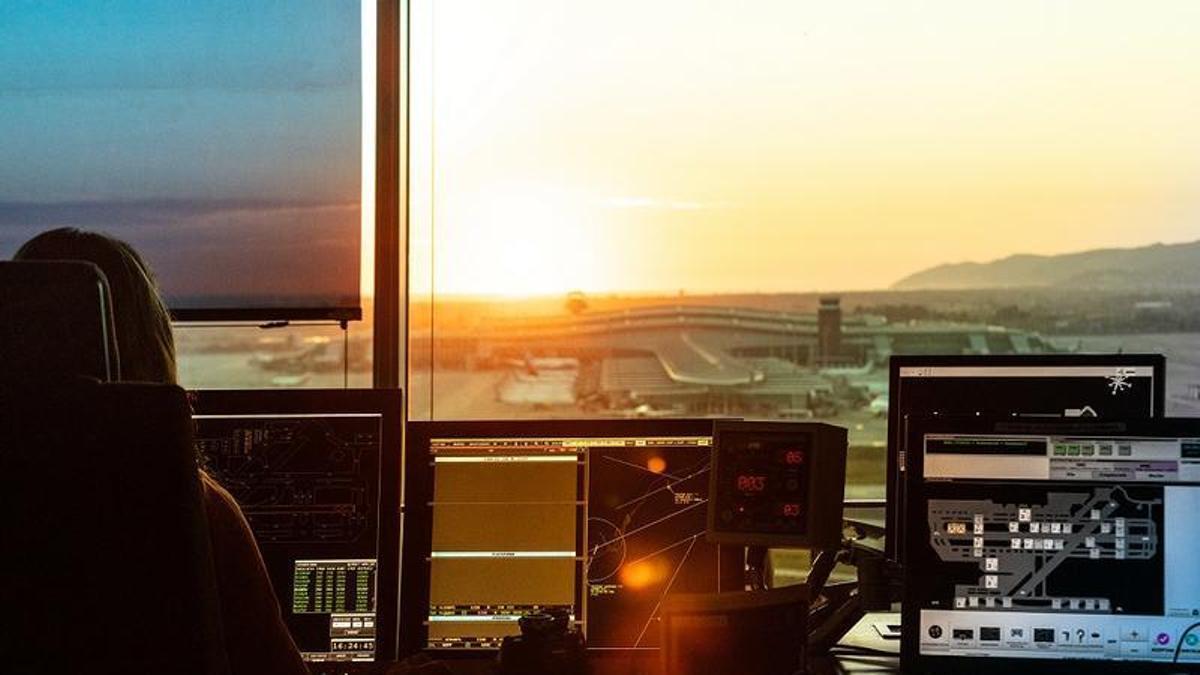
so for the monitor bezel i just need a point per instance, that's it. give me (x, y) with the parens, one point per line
(417, 519)
(389, 404)
(918, 428)
(894, 479)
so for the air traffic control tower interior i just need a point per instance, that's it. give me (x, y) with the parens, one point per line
(645, 337)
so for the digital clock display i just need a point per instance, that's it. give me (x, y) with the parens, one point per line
(751, 484)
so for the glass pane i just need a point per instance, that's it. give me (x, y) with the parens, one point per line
(231, 143)
(224, 139)
(690, 208)
(250, 357)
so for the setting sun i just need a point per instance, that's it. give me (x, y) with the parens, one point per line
(526, 239)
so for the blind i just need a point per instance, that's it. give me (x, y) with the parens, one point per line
(223, 139)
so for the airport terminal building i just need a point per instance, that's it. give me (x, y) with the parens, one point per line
(711, 360)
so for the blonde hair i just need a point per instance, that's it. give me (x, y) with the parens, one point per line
(143, 325)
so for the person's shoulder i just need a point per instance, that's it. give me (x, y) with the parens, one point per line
(218, 501)
(232, 540)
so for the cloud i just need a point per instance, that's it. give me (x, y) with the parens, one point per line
(134, 212)
(223, 252)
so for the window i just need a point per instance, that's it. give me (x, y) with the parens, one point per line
(224, 140)
(231, 356)
(687, 208)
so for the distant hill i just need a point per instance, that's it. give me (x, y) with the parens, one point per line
(1160, 266)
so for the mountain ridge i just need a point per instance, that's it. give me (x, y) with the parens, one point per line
(1156, 266)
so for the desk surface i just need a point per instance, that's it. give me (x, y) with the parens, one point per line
(878, 656)
(864, 637)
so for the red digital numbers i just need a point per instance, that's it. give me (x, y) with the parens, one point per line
(791, 510)
(793, 457)
(747, 483)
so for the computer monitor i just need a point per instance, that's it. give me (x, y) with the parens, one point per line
(1052, 546)
(602, 518)
(316, 473)
(1032, 385)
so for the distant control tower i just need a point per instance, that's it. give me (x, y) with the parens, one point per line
(829, 330)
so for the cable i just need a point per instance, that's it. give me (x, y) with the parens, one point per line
(756, 568)
(1182, 637)
(820, 569)
(826, 635)
(855, 650)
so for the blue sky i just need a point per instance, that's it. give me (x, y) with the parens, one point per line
(192, 128)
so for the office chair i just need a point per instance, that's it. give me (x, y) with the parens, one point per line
(56, 319)
(106, 564)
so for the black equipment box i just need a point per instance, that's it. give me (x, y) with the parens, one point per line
(736, 633)
(777, 484)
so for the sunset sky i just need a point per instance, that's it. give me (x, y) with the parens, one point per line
(790, 145)
(222, 138)
(626, 145)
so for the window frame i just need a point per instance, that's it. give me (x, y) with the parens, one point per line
(390, 342)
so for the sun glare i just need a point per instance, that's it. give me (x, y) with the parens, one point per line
(520, 239)
(643, 574)
(815, 145)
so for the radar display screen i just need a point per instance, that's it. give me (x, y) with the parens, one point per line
(298, 478)
(645, 528)
(603, 526)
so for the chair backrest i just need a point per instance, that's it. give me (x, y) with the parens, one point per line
(56, 320)
(107, 565)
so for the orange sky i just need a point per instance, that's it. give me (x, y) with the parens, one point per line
(791, 145)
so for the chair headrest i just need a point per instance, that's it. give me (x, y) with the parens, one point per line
(56, 321)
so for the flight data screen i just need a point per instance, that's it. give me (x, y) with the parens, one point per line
(309, 487)
(603, 528)
(1030, 391)
(1057, 547)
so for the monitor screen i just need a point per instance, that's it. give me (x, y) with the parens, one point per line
(316, 475)
(1028, 386)
(601, 519)
(1052, 541)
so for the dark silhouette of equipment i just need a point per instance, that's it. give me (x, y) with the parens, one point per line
(728, 633)
(774, 484)
(547, 645)
(777, 484)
